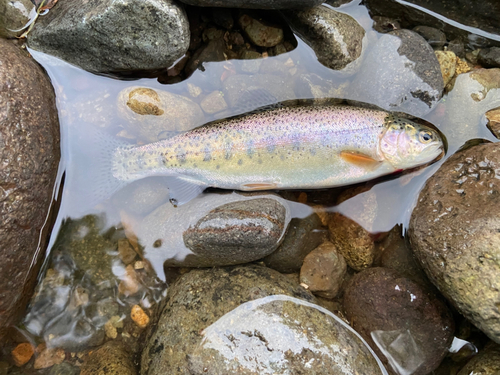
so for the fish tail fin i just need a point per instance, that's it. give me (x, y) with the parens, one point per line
(89, 175)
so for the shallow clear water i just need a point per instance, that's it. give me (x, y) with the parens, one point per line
(86, 101)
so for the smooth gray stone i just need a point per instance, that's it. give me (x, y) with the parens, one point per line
(255, 4)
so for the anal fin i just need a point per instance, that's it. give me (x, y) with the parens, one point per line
(360, 160)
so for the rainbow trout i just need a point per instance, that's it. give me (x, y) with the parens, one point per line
(284, 148)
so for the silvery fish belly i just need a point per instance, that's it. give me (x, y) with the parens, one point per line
(285, 148)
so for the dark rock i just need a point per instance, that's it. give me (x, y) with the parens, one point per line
(64, 369)
(227, 320)
(223, 18)
(112, 358)
(323, 271)
(484, 15)
(29, 148)
(114, 36)
(251, 228)
(254, 4)
(213, 51)
(457, 47)
(260, 32)
(436, 38)
(230, 233)
(489, 57)
(454, 234)
(385, 24)
(303, 236)
(409, 328)
(487, 362)
(336, 38)
(392, 82)
(14, 16)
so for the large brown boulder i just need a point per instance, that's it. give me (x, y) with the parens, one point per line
(29, 150)
(455, 234)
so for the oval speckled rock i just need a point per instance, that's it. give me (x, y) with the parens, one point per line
(487, 362)
(260, 33)
(408, 327)
(249, 320)
(454, 233)
(238, 232)
(336, 38)
(112, 358)
(152, 114)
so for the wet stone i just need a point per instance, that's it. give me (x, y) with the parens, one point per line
(336, 38)
(112, 358)
(352, 241)
(493, 118)
(142, 196)
(457, 47)
(213, 102)
(254, 4)
(22, 353)
(29, 150)
(323, 271)
(303, 236)
(15, 15)
(259, 32)
(227, 320)
(252, 61)
(402, 74)
(409, 328)
(48, 357)
(447, 62)
(436, 38)
(64, 369)
(454, 234)
(385, 24)
(153, 113)
(489, 57)
(237, 232)
(101, 36)
(487, 362)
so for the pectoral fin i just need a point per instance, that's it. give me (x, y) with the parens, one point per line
(360, 160)
(258, 186)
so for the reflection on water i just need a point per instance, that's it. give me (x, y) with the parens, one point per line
(83, 291)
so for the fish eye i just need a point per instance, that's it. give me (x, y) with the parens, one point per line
(425, 136)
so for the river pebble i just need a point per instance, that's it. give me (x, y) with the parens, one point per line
(22, 353)
(493, 118)
(213, 102)
(489, 57)
(453, 233)
(303, 236)
(259, 32)
(402, 74)
(436, 38)
(447, 62)
(229, 320)
(103, 37)
(112, 358)
(153, 114)
(409, 328)
(487, 362)
(323, 271)
(336, 38)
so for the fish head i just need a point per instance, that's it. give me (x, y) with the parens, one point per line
(406, 144)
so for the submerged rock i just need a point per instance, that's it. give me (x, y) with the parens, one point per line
(400, 73)
(454, 234)
(14, 16)
(436, 38)
(112, 358)
(409, 328)
(489, 57)
(249, 320)
(493, 119)
(487, 362)
(29, 153)
(484, 15)
(259, 32)
(254, 4)
(303, 236)
(114, 36)
(154, 114)
(214, 230)
(336, 38)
